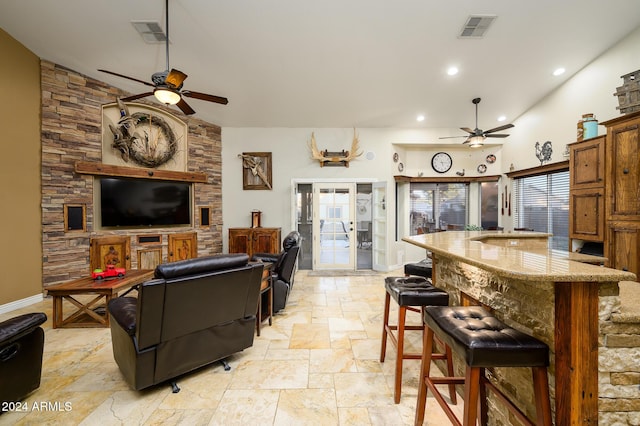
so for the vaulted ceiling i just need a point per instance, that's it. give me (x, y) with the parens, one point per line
(333, 63)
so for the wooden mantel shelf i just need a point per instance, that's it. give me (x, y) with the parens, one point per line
(100, 169)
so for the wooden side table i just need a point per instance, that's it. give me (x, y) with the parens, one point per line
(266, 286)
(105, 290)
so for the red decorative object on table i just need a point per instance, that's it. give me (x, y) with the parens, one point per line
(111, 272)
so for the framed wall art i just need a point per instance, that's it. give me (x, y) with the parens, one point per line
(256, 170)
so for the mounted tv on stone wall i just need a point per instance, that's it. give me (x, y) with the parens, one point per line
(143, 203)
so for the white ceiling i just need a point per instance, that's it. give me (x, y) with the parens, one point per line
(333, 63)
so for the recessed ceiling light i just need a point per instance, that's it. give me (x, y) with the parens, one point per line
(559, 71)
(452, 71)
(502, 118)
(420, 118)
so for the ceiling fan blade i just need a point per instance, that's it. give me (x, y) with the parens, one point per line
(497, 129)
(134, 97)
(175, 78)
(497, 135)
(466, 129)
(185, 107)
(205, 97)
(127, 77)
(453, 137)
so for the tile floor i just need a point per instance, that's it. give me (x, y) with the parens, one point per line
(318, 364)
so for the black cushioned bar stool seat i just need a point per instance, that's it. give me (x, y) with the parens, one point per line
(421, 269)
(482, 341)
(409, 293)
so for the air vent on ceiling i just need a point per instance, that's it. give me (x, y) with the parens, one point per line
(150, 31)
(476, 26)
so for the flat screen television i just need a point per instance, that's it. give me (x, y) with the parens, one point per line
(144, 202)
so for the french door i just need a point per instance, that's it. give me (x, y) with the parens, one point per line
(334, 241)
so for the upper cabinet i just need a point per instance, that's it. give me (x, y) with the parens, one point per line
(623, 153)
(587, 190)
(587, 163)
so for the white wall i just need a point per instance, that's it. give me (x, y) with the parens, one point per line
(554, 118)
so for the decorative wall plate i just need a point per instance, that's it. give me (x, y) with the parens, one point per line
(482, 168)
(491, 159)
(396, 157)
(400, 167)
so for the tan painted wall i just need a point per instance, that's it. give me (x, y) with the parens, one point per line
(20, 217)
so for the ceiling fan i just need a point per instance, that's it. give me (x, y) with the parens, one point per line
(476, 137)
(167, 85)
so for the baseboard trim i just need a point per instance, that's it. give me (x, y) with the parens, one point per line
(22, 303)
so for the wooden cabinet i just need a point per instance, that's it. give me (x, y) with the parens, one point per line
(587, 163)
(587, 190)
(624, 243)
(623, 192)
(624, 167)
(587, 214)
(182, 246)
(112, 250)
(254, 240)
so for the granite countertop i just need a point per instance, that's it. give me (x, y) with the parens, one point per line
(529, 262)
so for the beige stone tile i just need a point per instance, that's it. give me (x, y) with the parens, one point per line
(366, 348)
(246, 407)
(307, 407)
(290, 374)
(163, 417)
(310, 336)
(331, 361)
(353, 416)
(126, 407)
(362, 390)
(320, 381)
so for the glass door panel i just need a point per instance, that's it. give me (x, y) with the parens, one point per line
(333, 226)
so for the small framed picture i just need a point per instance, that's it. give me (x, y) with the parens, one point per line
(256, 170)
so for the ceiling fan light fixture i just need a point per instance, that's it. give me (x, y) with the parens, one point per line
(167, 96)
(475, 141)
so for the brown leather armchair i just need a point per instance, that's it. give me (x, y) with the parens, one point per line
(283, 269)
(193, 313)
(21, 347)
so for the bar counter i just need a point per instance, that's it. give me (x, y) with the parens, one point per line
(561, 298)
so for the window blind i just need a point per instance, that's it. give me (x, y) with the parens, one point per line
(542, 204)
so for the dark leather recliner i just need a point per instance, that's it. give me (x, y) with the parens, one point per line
(193, 313)
(21, 347)
(283, 269)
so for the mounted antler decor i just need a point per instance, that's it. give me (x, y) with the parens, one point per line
(341, 158)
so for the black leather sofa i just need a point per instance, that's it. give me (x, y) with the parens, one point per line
(283, 269)
(193, 313)
(21, 347)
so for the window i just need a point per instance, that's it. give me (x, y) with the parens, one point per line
(436, 206)
(542, 204)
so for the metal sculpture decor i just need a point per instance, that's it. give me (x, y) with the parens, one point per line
(143, 138)
(544, 153)
(340, 158)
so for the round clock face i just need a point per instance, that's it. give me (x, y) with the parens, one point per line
(441, 162)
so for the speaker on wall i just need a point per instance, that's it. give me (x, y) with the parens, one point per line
(205, 213)
(75, 217)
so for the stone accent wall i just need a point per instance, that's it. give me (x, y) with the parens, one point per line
(530, 309)
(71, 131)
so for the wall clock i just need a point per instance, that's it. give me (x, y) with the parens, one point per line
(441, 162)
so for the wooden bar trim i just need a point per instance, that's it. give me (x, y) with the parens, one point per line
(452, 179)
(540, 170)
(100, 169)
(576, 353)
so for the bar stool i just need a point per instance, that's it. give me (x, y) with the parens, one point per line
(482, 341)
(409, 293)
(421, 269)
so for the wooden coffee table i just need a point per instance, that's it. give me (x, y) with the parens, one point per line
(85, 315)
